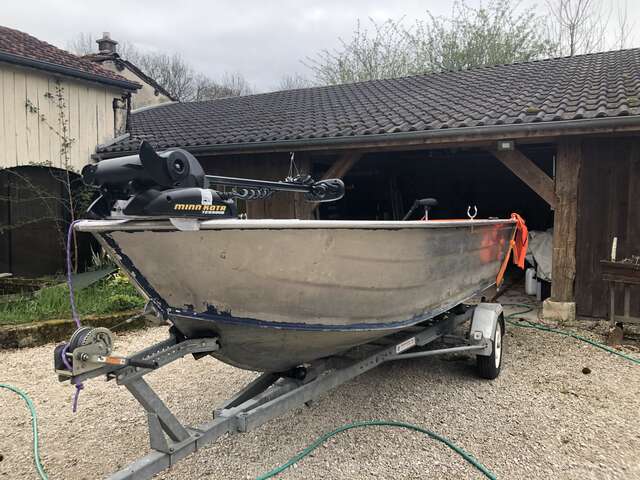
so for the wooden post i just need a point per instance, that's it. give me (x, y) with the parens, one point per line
(527, 171)
(568, 162)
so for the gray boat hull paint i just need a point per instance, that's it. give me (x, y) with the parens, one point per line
(282, 293)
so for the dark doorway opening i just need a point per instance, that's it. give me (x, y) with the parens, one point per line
(383, 186)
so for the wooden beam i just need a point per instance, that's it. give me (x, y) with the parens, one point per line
(338, 170)
(568, 164)
(341, 166)
(527, 171)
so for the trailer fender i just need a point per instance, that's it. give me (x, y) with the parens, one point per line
(483, 326)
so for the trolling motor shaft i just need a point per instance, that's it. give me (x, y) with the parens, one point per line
(173, 184)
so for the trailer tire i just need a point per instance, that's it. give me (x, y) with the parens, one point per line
(489, 365)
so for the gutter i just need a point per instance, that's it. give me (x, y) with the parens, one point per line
(67, 71)
(471, 134)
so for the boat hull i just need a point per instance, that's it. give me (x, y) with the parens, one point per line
(282, 293)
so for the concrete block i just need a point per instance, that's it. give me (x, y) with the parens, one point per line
(558, 311)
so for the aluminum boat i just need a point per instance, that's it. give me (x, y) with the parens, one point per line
(281, 293)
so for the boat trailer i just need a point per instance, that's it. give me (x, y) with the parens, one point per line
(89, 354)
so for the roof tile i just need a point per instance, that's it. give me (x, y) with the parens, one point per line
(25, 46)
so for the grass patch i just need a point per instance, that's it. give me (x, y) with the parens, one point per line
(110, 295)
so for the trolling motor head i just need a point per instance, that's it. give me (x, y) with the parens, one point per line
(172, 184)
(170, 169)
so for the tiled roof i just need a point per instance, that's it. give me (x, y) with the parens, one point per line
(21, 48)
(601, 85)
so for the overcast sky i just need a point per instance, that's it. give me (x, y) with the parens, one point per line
(262, 39)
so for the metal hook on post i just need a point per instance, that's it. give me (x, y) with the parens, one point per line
(475, 212)
(292, 167)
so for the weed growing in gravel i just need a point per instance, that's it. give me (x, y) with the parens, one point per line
(110, 295)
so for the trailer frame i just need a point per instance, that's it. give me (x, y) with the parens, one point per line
(272, 394)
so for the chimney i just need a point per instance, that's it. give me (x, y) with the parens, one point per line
(106, 45)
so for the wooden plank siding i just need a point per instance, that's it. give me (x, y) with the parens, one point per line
(44, 134)
(265, 167)
(608, 206)
(8, 136)
(27, 140)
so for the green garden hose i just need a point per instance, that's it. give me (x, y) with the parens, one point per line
(537, 326)
(379, 423)
(34, 425)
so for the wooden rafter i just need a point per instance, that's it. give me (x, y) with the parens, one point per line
(340, 168)
(527, 171)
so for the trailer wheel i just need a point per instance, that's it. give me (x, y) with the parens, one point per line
(489, 365)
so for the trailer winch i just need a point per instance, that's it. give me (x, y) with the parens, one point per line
(88, 349)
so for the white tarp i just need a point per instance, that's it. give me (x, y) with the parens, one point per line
(540, 251)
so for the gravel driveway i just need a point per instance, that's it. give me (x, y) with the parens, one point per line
(542, 418)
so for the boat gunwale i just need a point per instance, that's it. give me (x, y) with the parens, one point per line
(109, 225)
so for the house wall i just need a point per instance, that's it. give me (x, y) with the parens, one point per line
(25, 139)
(608, 206)
(143, 97)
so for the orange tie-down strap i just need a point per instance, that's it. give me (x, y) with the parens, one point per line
(518, 244)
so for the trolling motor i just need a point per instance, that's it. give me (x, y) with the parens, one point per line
(173, 184)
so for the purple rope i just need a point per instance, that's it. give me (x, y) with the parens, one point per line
(79, 387)
(74, 314)
(63, 355)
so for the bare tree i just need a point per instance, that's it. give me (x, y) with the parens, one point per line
(293, 82)
(231, 85)
(171, 71)
(379, 52)
(496, 32)
(624, 26)
(578, 26)
(82, 44)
